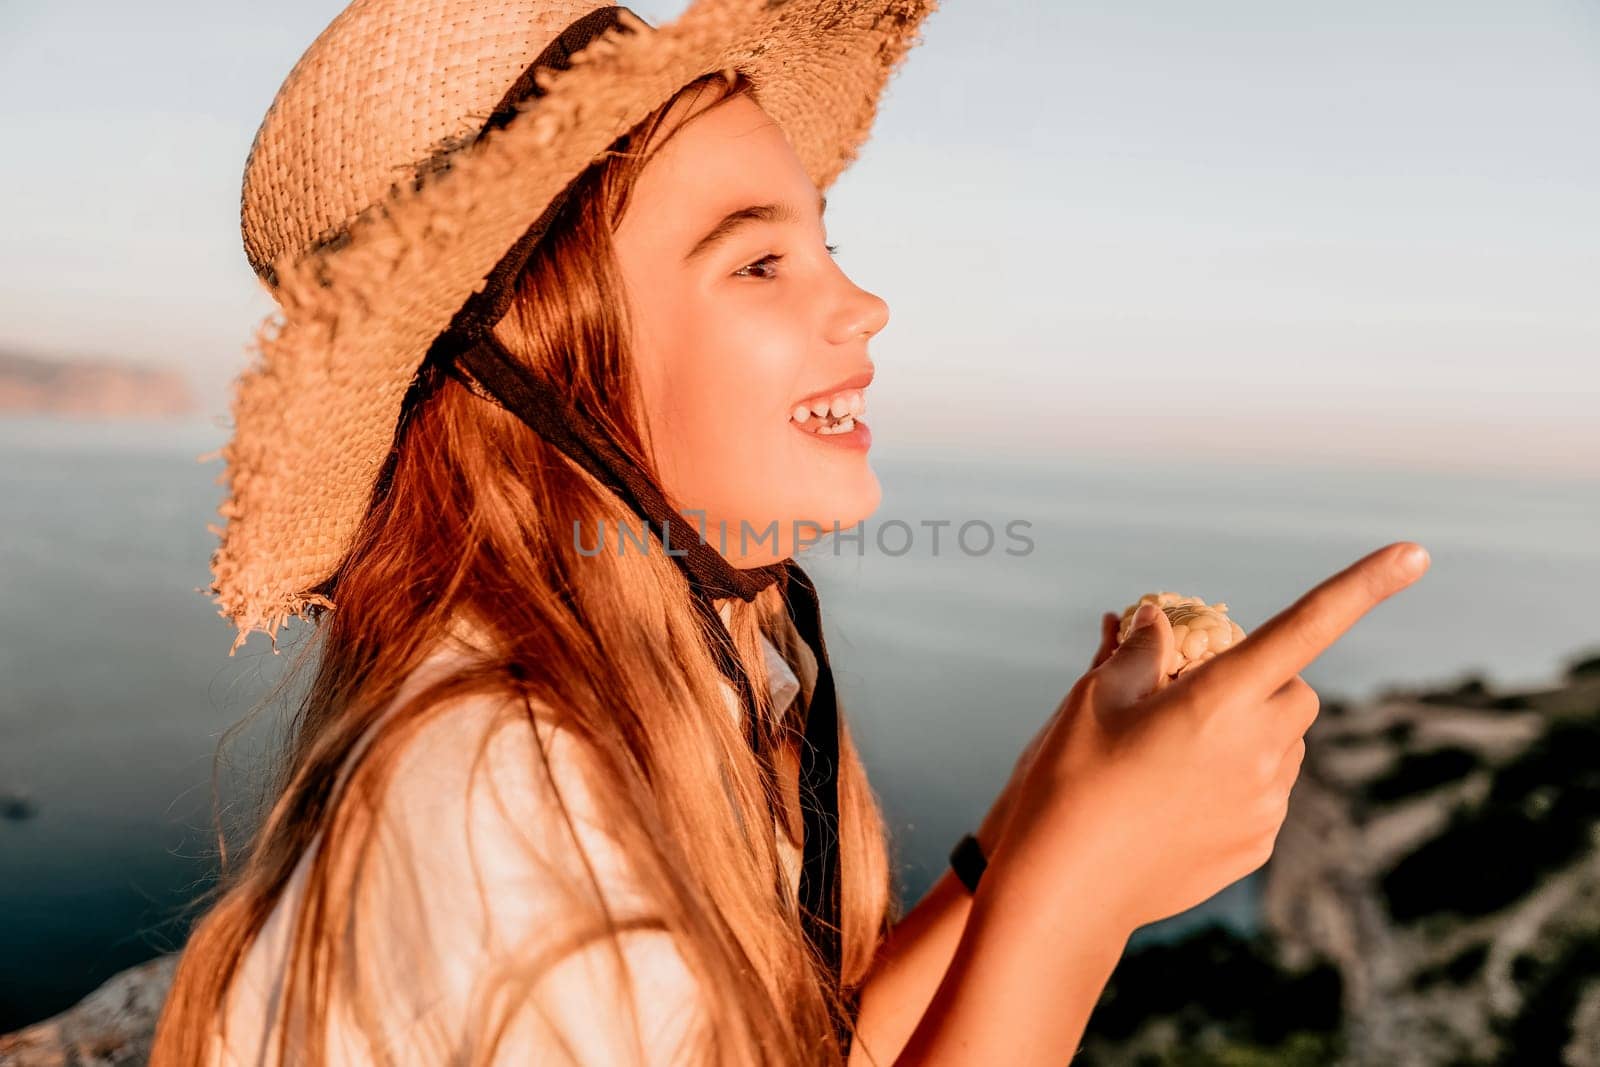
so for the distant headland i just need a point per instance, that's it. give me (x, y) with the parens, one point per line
(93, 388)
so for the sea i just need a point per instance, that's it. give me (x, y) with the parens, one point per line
(956, 622)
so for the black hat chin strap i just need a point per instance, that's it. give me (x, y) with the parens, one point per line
(486, 367)
(469, 351)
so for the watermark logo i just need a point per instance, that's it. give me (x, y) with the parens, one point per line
(891, 537)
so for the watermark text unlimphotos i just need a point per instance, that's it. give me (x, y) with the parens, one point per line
(891, 537)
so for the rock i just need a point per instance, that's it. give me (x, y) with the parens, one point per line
(111, 1027)
(1456, 884)
(1433, 899)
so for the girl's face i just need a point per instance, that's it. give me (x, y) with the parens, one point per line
(741, 321)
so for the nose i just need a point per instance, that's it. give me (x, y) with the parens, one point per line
(861, 314)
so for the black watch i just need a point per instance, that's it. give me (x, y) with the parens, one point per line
(968, 861)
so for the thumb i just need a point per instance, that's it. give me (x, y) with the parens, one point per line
(1109, 624)
(1138, 667)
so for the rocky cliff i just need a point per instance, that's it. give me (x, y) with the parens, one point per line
(1433, 899)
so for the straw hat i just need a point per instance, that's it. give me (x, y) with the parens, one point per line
(409, 151)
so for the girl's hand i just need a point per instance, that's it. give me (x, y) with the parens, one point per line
(1161, 793)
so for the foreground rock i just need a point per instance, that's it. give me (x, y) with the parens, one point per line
(111, 1027)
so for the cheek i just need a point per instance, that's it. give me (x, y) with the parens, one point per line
(717, 396)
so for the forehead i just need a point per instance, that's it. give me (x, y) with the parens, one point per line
(718, 158)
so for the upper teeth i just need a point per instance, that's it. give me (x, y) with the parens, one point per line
(851, 402)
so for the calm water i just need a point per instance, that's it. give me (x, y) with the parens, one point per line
(116, 681)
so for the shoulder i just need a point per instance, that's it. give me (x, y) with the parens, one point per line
(447, 757)
(492, 879)
(488, 788)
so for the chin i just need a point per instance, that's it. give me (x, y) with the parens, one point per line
(809, 519)
(847, 506)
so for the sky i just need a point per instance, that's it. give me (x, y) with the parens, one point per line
(1364, 233)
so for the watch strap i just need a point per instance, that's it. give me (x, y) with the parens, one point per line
(968, 861)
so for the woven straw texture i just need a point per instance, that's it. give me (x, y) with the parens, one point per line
(371, 264)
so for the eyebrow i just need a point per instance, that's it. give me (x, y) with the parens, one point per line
(734, 220)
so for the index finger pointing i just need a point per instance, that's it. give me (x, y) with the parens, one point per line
(1287, 643)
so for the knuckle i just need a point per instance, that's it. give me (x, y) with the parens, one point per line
(1301, 690)
(1266, 768)
(1288, 774)
(1300, 702)
(1309, 720)
(1274, 808)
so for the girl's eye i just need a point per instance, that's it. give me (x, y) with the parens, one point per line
(772, 259)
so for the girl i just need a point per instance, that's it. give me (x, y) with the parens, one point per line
(557, 394)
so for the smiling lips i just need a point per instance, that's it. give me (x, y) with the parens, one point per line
(830, 414)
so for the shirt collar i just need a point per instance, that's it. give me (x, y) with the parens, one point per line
(782, 683)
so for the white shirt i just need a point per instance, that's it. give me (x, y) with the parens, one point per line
(422, 938)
